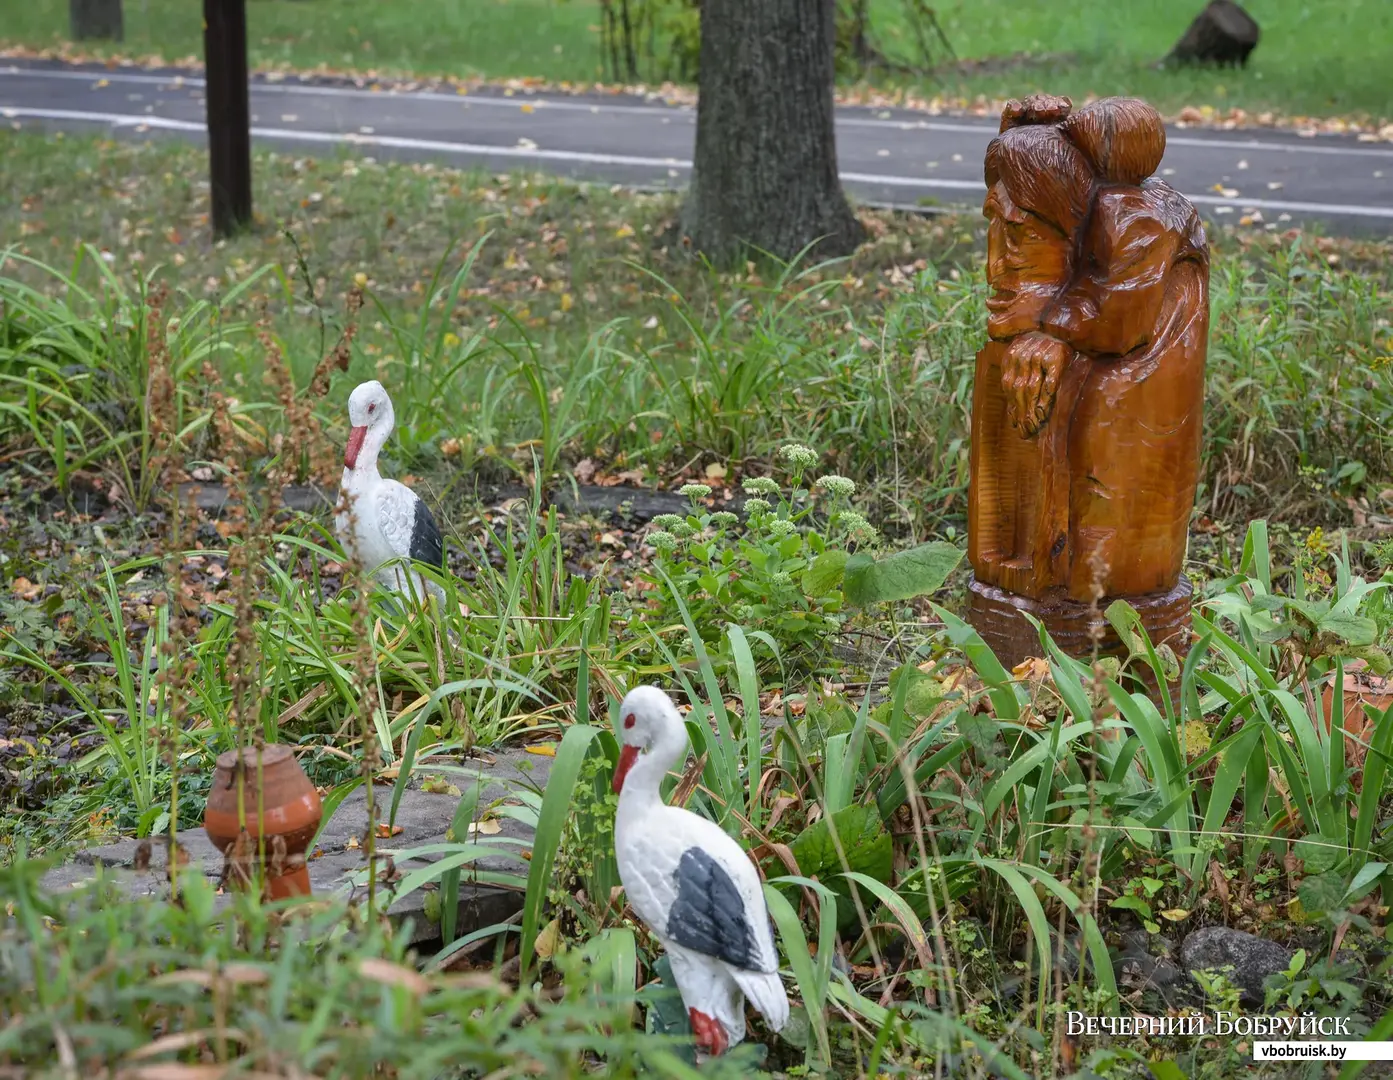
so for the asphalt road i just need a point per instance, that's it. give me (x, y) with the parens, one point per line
(895, 157)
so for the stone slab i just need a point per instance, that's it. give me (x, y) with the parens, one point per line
(337, 865)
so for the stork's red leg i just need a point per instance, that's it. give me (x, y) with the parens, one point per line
(710, 1035)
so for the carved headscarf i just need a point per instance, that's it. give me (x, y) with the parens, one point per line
(1050, 160)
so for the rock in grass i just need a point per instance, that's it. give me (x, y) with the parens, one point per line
(1252, 958)
(1146, 964)
(1223, 33)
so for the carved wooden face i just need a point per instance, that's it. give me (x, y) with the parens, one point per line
(1027, 264)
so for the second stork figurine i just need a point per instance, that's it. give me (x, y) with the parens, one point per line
(692, 884)
(379, 520)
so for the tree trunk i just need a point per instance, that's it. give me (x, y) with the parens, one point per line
(1223, 33)
(95, 19)
(765, 176)
(229, 114)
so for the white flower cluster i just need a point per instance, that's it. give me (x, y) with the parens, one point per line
(662, 539)
(837, 485)
(857, 527)
(798, 456)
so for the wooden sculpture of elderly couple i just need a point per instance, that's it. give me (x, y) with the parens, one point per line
(1088, 399)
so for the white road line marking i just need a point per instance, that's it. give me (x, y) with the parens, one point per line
(194, 82)
(125, 120)
(905, 124)
(914, 181)
(1303, 147)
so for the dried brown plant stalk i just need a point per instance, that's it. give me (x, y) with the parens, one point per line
(177, 672)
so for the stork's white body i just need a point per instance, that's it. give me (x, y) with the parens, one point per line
(692, 884)
(649, 841)
(382, 522)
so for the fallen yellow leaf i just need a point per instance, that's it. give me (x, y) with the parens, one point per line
(542, 749)
(1175, 914)
(548, 940)
(25, 589)
(1032, 667)
(1194, 738)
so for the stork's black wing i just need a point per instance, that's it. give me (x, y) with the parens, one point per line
(426, 543)
(709, 914)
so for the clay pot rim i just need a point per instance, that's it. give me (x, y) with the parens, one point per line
(1359, 680)
(271, 754)
(1378, 685)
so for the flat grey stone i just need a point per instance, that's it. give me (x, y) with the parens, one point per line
(213, 498)
(635, 504)
(1138, 968)
(337, 863)
(1252, 958)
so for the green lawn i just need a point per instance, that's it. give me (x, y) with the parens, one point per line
(997, 824)
(1317, 57)
(583, 289)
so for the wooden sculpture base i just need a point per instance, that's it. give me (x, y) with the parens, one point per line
(996, 616)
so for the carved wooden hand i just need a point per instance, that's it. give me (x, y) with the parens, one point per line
(1030, 373)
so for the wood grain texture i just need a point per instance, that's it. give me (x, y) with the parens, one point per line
(1088, 400)
(1075, 628)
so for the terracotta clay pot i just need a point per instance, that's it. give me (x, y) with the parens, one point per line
(1360, 689)
(287, 806)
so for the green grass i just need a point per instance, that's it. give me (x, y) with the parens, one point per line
(570, 325)
(958, 819)
(1316, 57)
(477, 38)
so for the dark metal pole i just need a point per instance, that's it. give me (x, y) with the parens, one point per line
(229, 113)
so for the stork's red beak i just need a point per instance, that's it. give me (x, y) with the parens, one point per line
(627, 756)
(355, 444)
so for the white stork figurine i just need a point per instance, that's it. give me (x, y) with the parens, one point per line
(388, 521)
(692, 884)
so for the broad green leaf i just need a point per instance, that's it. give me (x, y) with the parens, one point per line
(905, 574)
(863, 840)
(1131, 903)
(1356, 630)
(1319, 853)
(825, 574)
(1323, 893)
